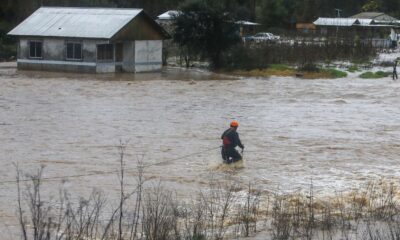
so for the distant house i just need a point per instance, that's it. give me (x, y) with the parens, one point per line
(94, 40)
(374, 27)
(334, 25)
(366, 22)
(376, 16)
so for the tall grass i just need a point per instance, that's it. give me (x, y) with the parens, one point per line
(223, 210)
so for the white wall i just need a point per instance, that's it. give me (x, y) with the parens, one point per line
(138, 56)
(23, 49)
(128, 63)
(148, 56)
(105, 67)
(53, 49)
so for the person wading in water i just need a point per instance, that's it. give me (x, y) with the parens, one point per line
(230, 139)
(394, 76)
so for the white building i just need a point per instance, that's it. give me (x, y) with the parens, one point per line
(89, 40)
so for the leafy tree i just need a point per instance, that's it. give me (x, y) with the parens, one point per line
(275, 14)
(213, 15)
(242, 13)
(205, 28)
(371, 5)
(307, 10)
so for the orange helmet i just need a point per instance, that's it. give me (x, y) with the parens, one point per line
(234, 124)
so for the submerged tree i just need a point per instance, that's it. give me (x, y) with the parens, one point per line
(205, 28)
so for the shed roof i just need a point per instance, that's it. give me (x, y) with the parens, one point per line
(101, 23)
(169, 15)
(247, 23)
(336, 22)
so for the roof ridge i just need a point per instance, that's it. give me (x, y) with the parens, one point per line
(105, 8)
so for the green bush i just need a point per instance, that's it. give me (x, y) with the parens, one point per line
(378, 74)
(367, 75)
(334, 73)
(382, 74)
(353, 68)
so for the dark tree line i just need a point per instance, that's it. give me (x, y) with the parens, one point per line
(285, 13)
(276, 14)
(271, 13)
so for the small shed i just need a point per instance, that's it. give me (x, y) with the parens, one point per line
(306, 27)
(246, 27)
(98, 40)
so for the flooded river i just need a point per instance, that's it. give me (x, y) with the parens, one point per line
(338, 133)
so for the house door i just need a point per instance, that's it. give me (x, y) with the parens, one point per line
(119, 52)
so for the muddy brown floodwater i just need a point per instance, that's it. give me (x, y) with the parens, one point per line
(339, 133)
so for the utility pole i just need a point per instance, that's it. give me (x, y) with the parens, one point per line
(338, 11)
(254, 11)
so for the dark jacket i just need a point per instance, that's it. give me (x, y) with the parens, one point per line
(233, 137)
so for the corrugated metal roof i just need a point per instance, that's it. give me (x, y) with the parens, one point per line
(247, 23)
(169, 15)
(348, 22)
(101, 23)
(391, 23)
(365, 22)
(375, 16)
(367, 15)
(335, 22)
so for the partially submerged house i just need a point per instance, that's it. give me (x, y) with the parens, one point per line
(94, 40)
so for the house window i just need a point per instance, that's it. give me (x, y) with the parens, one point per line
(105, 52)
(35, 49)
(74, 51)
